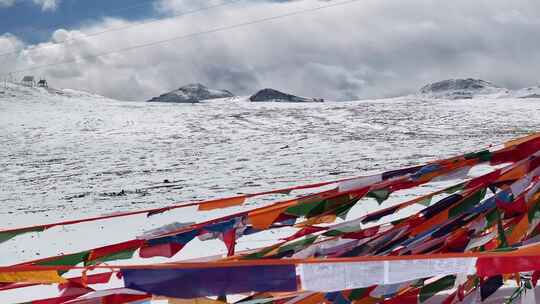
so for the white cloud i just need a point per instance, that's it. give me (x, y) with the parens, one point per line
(10, 43)
(6, 3)
(179, 6)
(370, 48)
(46, 5)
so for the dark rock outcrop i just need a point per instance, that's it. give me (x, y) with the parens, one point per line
(192, 93)
(277, 96)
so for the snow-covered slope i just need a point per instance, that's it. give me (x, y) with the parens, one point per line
(65, 158)
(192, 93)
(18, 91)
(462, 89)
(277, 96)
(531, 92)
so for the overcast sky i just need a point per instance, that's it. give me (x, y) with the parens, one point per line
(364, 49)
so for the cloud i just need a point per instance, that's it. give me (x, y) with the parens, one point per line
(178, 6)
(9, 42)
(6, 3)
(46, 5)
(366, 49)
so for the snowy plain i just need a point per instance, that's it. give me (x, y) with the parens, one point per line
(77, 155)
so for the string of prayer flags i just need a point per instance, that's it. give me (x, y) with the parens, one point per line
(465, 239)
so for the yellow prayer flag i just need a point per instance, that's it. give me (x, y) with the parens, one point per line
(38, 277)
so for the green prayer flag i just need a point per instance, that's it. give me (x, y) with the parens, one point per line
(500, 230)
(426, 201)
(342, 230)
(433, 288)
(455, 188)
(397, 222)
(335, 203)
(534, 212)
(380, 195)
(123, 255)
(302, 209)
(491, 217)
(298, 245)
(467, 203)
(259, 254)
(312, 209)
(359, 293)
(343, 210)
(66, 260)
(484, 155)
(334, 232)
(8, 235)
(504, 249)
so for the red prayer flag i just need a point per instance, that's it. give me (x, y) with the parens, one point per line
(490, 266)
(100, 278)
(409, 297)
(167, 250)
(97, 253)
(229, 238)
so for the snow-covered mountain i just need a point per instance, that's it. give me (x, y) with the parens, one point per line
(462, 89)
(531, 92)
(192, 93)
(277, 96)
(473, 88)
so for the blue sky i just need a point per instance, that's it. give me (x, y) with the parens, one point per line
(31, 23)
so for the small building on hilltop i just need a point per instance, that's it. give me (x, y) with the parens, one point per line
(42, 83)
(28, 81)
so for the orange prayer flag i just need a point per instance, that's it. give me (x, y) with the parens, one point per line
(518, 141)
(323, 219)
(37, 277)
(437, 219)
(368, 300)
(533, 249)
(313, 299)
(519, 230)
(533, 200)
(516, 173)
(222, 203)
(263, 218)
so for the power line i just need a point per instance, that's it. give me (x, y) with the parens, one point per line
(122, 28)
(189, 36)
